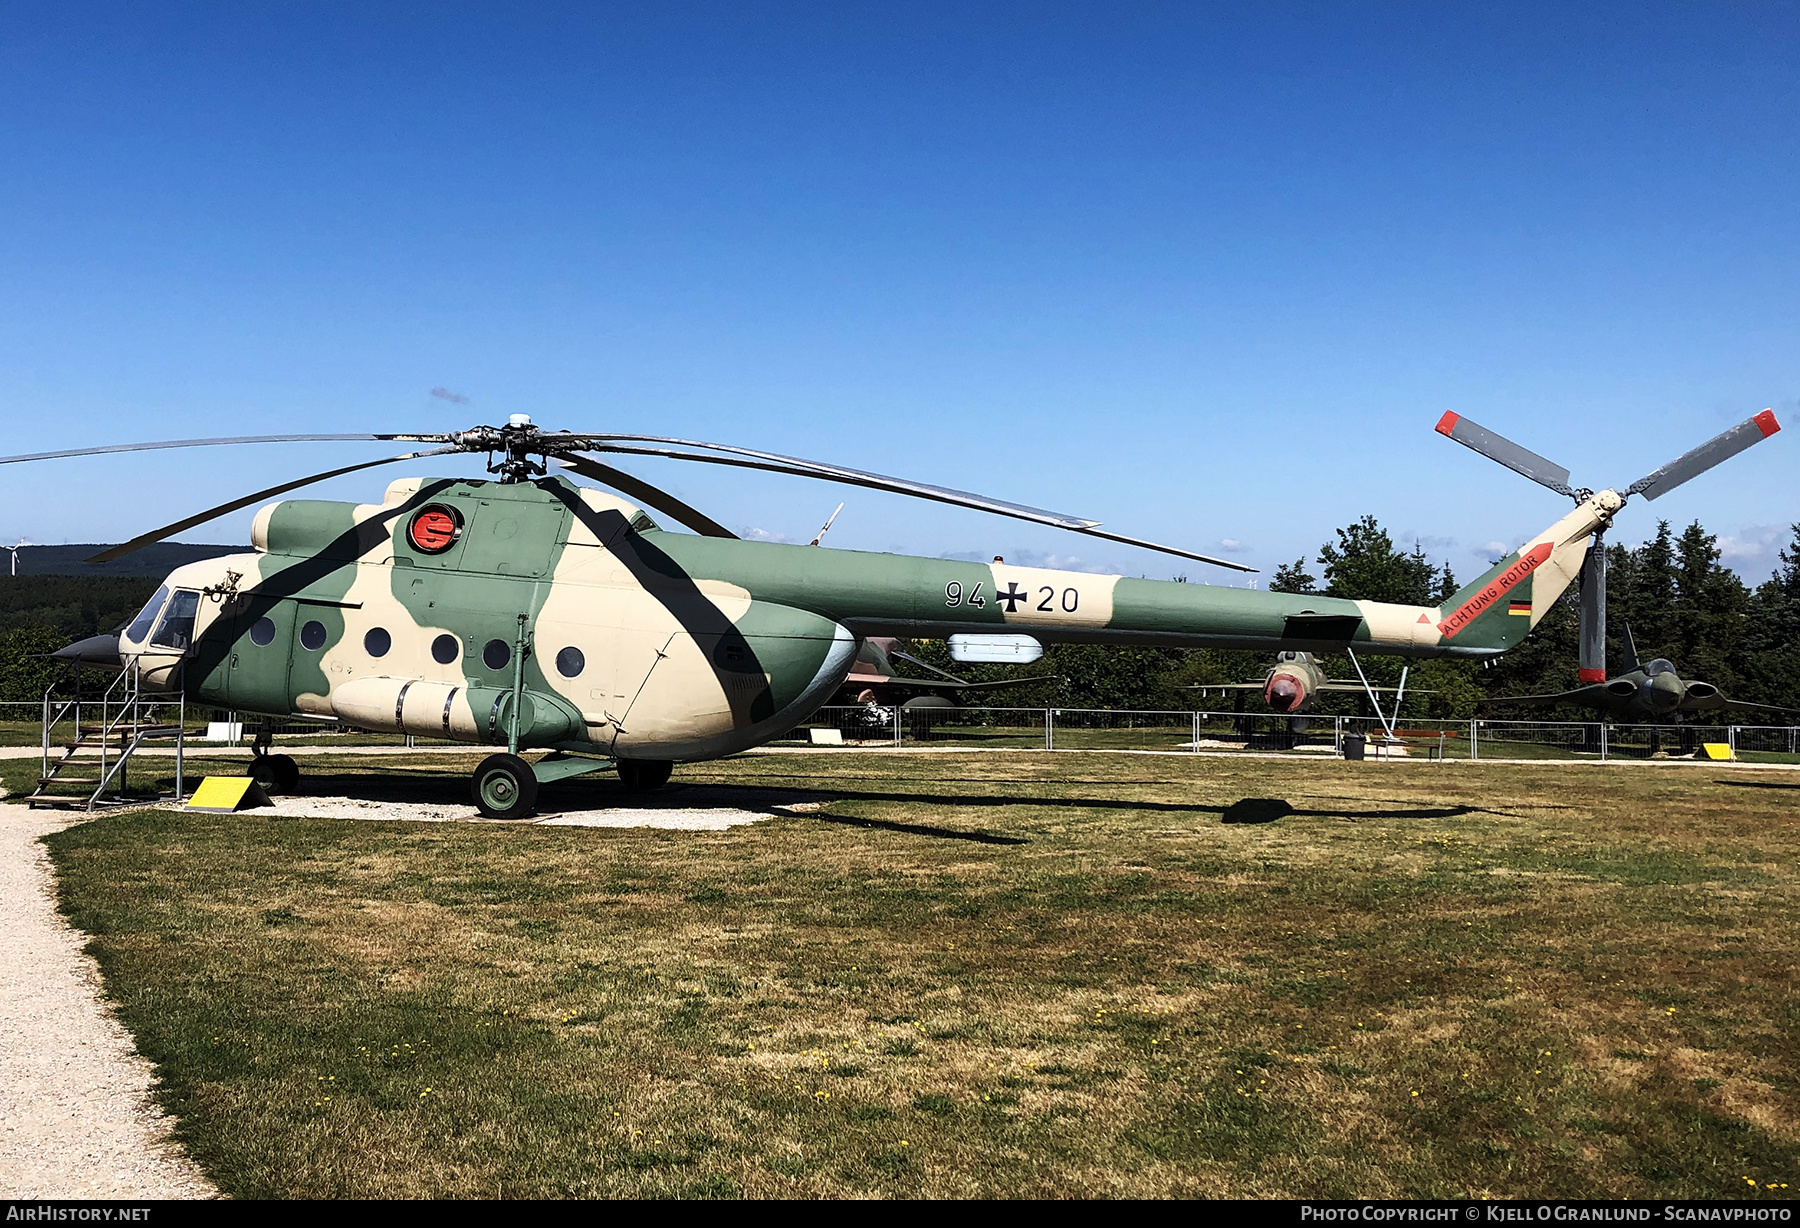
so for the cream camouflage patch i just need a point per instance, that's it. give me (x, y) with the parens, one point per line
(1038, 597)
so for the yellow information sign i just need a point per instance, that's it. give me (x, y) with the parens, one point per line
(227, 795)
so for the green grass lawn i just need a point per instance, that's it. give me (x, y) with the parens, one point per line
(968, 975)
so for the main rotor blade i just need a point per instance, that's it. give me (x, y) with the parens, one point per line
(214, 443)
(1498, 447)
(838, 473)
(211, 513)
(650, 496)
(744, 458)
(1719, 448)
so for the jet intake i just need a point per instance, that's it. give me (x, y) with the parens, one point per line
(1285, 693)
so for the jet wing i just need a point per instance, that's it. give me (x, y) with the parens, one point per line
(1348, 684)
(1595, 696)
(1719, 701)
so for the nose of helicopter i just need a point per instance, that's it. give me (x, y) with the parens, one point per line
(94, 650)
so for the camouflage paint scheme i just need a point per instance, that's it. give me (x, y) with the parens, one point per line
(694, 647)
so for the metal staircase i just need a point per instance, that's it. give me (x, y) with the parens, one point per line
(98, 737)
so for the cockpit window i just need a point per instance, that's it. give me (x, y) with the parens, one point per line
(176, 630)
(140, 626)
(1659, 666)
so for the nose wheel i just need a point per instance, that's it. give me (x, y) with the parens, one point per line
(504, 787)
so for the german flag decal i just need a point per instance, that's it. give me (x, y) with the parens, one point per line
(1495, 589)
(1519, 607)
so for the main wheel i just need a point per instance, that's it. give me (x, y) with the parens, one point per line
(275, 773)
(643, 775)
(504, 787)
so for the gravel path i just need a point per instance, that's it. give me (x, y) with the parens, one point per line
(76, 1118)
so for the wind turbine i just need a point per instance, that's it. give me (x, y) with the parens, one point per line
(15, 554)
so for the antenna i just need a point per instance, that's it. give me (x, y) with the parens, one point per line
(829, 520)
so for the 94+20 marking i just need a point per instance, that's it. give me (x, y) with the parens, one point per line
(1047, 598)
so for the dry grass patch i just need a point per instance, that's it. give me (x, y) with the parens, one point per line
(1034, 975)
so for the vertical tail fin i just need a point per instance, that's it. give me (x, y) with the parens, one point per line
(1497, 610)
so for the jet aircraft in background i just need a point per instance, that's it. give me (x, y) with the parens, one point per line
(1650, 691)
(1292, 685)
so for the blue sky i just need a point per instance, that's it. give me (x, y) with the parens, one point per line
(1205, 273)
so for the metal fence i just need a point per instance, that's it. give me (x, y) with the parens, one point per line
(872, 725)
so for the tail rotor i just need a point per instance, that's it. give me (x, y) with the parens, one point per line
(1544, 472)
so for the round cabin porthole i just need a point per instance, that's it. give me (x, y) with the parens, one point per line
(377, 642)
(262, 632)
(434, 528)
(312, 635)
(496, 654)
(443, 649)
(570, 662)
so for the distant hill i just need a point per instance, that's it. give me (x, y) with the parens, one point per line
(154, 561)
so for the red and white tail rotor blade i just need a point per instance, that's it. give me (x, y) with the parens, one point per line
(1498, 447)
(1693, 464)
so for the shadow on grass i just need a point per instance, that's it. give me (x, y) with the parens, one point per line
(428, 786)
(916, 829)
(1757, 784)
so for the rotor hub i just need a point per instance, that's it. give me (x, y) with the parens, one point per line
(515, 443)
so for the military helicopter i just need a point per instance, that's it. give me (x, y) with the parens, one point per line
(530, 612)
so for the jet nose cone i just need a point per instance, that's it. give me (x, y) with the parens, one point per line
(1663, 693)
(94, 650)
(1284, 694)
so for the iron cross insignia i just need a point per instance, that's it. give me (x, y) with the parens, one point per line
(1012, 597)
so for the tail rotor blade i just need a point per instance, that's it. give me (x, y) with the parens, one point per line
(1693, 464)
(1499, 448)
(1593, 612)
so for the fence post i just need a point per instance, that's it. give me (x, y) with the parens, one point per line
(1196, 746)
(180, 745)
(1049, 728)
(1474, 748)
(1603, 741)
(896, 724)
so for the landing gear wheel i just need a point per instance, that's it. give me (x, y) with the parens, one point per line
(504, 787)
(643, 775)
(275, 773)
